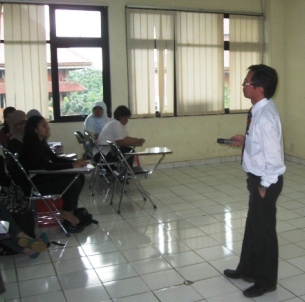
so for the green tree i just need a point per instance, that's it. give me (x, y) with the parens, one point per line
(77, 103)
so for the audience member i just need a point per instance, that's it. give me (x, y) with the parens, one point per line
(95, 121)
(32, 112)
(16, 124)
(116, 131)
(37, 155)
(5, 131)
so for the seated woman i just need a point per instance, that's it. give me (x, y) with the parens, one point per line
(16, 124)
(37, 155)
(20, 242)
(116, 131)
(95, 121)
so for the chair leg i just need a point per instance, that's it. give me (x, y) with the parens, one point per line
(122, 192)
(93, 179)
(113, 190)
(55, 217)
(143, 192)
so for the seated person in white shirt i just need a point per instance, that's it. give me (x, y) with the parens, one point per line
(116, 131)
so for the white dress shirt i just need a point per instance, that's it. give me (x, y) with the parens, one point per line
(264, 152)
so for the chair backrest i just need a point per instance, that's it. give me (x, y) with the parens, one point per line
(79, 137)
(17, 172)
(89, 145)
(87, 135)
(117, 153)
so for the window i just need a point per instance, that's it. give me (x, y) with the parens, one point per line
(189, 63)
(56, 59)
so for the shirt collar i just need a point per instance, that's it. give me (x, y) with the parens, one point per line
(259, 105)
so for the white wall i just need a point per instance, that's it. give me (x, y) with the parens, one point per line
(194, 138)
(294, 67)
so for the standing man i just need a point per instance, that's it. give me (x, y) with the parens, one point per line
(263, 161)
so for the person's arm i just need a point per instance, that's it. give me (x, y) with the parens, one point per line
(35, 157)
(272, 148)
(130, 141)
(63, 160)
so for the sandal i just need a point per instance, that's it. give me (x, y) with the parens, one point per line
(37, 246)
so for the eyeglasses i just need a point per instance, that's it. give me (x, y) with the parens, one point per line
(245, 83)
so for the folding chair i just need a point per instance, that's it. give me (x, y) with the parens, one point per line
(24, 180)
(91, 147)
(125, 173)
(81, 140)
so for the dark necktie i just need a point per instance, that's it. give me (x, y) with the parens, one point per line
(249, 118)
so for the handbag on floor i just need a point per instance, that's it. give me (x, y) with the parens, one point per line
(84, 217)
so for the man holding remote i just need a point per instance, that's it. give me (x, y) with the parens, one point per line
(263, 161)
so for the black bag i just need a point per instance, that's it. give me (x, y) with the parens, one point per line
(84, 217)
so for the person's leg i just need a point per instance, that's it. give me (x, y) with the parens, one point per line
(16, 235)
(55, 184)
(259, 257)
(247, 258)
(129, 158)
(266, 271)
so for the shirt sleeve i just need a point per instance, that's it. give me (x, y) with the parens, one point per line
(272, 146)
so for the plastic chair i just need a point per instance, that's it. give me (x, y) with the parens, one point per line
(125, 173)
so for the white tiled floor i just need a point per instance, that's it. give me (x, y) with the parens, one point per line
(175, 253)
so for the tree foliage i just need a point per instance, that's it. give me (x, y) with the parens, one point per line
(79, 103)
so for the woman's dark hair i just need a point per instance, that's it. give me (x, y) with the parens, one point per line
(30, 135)
(7, 111)
(121, 111)
(266, 77)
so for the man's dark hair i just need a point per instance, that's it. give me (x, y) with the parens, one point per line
(7, 111)
(266, 77)
(121, 111)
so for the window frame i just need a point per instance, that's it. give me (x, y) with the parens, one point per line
(64, 42)
(226, 47)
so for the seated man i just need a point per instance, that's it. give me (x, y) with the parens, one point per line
(116, 131)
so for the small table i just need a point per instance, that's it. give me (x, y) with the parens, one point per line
(153, 151)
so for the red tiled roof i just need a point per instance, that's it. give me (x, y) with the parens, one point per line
(63, 87)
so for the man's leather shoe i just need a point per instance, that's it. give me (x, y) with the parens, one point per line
(233, 274)
(256, 291)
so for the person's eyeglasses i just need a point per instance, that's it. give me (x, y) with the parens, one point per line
(245, 83)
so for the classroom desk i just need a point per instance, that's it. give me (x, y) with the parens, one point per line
(86, 169)
(162, 151)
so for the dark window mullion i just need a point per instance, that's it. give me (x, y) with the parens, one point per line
(106, 63)
(54, 65)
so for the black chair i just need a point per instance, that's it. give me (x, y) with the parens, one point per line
(125, 172)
